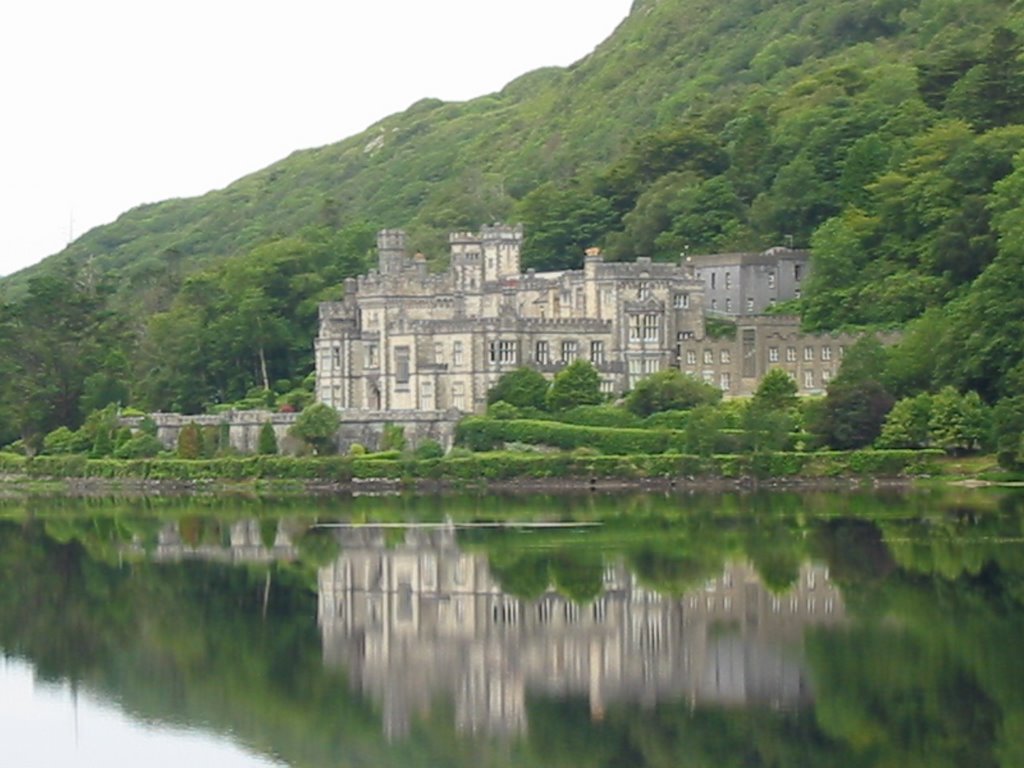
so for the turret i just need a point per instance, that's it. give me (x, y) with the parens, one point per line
(391, 251)
(501, 245)
(466, 261)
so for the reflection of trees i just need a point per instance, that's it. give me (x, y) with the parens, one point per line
(931, 676)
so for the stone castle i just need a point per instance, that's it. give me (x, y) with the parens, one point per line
(405, 339)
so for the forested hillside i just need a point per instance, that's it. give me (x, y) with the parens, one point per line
(883, 133)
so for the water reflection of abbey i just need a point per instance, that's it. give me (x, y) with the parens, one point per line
(424, 620)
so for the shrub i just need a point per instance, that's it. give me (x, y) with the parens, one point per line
(141, 446)
(393, 438)
(428, 449)
(576, 384)
(63, 440)
(502, 410)
(317, 425)
(667, 420)
(521, 388)
(190, 442)
(103, 445)
(599, 416)
(267, 443)
(670, 390)
(296, 401)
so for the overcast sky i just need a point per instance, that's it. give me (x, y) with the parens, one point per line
(108, 104)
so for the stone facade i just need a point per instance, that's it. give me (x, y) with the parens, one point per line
(403, 339)
(740, 284)
(736, 365)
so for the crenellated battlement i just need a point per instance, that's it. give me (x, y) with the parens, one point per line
(404, 339)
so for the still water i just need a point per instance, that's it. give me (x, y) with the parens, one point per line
(754, 630)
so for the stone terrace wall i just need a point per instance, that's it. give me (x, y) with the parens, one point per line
(363, 427)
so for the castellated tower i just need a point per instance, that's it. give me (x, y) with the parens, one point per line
(501, 245)
(391, 251)
(467, 261)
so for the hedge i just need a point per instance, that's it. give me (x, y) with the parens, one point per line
(499, 465)
(479, 433)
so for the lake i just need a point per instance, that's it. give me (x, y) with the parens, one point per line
(781, 629)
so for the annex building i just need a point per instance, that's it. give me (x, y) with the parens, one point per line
(405, 339)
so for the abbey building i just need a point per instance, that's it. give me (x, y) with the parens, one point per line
(404, 339)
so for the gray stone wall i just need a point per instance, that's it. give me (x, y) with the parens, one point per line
(363, 427)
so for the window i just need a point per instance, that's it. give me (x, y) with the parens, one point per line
(336, 357)
(634, 327)
(681, 301)
(635, 367)
(826, 376)
(371, 356)
(427, 395)
(712, 281)
(459, 395)
(709, 357)
(724, 380)
(504, 351)
(542, 353)
(608, 386)
(796, 272)
(808, 379)
(725, 357)
(790, 354)
(569, 350)
(708, 377)
(728, 280)
(714, 304)
(842, 351)
(691, 357)
(597, 352)
(456, 354)
(749, 351)
(401, 365)
(728, 305)
(438, 352)
(826, 353)
(650, 327)
(773, 354)
(750, 303)
(644, 291)
(771, 279)
(808, 354)
(651, 365)
(796, 293)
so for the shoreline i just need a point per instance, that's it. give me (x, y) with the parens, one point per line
(11, 488)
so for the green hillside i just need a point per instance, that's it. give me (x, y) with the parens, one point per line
(881, 132)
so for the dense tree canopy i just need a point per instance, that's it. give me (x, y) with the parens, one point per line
(885, 135)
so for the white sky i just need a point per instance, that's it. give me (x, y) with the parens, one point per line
(45, 726)
(108, 104)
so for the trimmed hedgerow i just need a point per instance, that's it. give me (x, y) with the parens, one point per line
(482, 434)
(497, 465)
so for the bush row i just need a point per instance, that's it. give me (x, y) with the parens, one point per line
(483, 466)
(479, 433)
